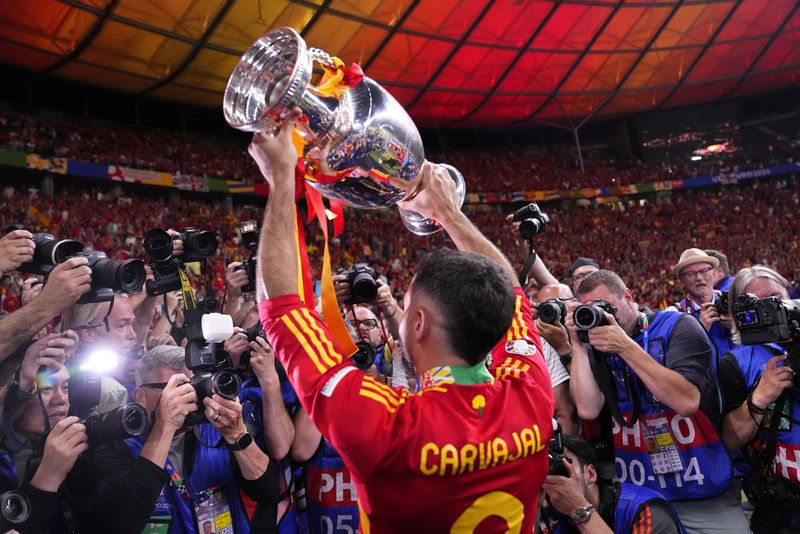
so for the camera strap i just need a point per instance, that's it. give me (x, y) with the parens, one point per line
(526, 269)
(768, 452)
(605, 383)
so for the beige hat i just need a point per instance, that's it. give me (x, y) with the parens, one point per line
(691, 256)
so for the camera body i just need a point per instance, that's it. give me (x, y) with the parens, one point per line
(533, 221)
(49, 252)
(197, 245)
(722, 302)
(765, 490)
(590, 315)
(249, 231)
(552, 311)
(363, 285)
(555, 452)
(212, 370)
(767, 320)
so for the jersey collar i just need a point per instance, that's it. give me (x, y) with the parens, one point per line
(454, 374)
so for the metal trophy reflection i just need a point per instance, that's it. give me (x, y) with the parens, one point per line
(361, 139)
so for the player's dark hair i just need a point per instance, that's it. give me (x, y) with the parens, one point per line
(581, 448)
(475, 296)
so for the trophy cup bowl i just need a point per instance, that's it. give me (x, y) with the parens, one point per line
(362, 143)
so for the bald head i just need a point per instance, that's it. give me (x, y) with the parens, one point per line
(555, 291)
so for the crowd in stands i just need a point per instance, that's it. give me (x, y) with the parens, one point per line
(647, 236)
(489, 170)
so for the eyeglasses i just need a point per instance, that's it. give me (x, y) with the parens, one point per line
(154, 385)
(367, 324)
(694, 274)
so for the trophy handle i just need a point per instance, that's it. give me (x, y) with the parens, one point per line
(422, 226)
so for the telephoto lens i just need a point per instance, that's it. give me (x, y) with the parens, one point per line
(552, 311)
(121, 423)
(590, 315)
(158, 244)
(363, 287)
(120, 275)
(197, 244)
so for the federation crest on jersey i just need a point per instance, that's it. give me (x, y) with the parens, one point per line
(523, 347)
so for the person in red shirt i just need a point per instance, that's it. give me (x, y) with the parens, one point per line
(467, 453)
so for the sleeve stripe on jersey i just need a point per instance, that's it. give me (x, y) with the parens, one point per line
(518, 329)
(327, 361)
(393, 400)
(373, 384)
(332, 352)
(377, 397)
(303, 342)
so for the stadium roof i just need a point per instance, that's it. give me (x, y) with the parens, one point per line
(450, 62)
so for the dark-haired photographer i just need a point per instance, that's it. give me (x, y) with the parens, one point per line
(583, 503)
(652, 370)
(762, 400)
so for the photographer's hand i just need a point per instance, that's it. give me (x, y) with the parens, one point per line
(16, 248)
(708, 315)
(235, 279)
(565, 493)
(178, 399)
(262, 360)
(50, 351)
(279, 431)
(226, 416)
(66, 283)
(177, 244)
(589, 400)
(31, 288)
(390, 308)
(774, 379)
(236, 345)
(342, 288)
(611, 339)
(556, 335)
(65, 442)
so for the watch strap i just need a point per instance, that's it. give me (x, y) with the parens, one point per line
(242, 442)
(583, 514)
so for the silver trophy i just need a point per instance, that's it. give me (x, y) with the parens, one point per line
(363, 141)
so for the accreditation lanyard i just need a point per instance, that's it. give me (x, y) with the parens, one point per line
(645, 332)
(8, 467)
(184, 488)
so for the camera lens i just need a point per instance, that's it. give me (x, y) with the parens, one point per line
(133, 419)
(365, 357)
(15, 507)
(549, 312)
(121, 423)
(203, 243)
(119, 275)
(226, 384)
(587, 316)
(158, 244)
(364, 288)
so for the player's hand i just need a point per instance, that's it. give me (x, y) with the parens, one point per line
(774, 379)
(565, 493)
(16, 248)
(436, 194)
(275, 154)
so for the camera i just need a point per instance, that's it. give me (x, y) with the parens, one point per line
(767, 320)
(590, 315)
(364, 358)
(212, 369)
(110, 275)
(533, 221)
(363, 287)
(555, 452)
(552, 311)
(249, 231)
(771, 492)
(49, 252)
(197, 245)
(84, 395)
(15, 509)
(722, 302)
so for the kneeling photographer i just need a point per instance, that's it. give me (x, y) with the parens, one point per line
(579, 502)
(762, 400)
(190, 466)
(652, 370)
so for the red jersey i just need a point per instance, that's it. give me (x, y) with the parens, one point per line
(461, 455)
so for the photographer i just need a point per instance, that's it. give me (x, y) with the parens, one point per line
(16, 248)
(557, 350)
(41, 443)
(180, 477)
(652, 370)
(698, 274)
(459, 307)
(754, 380)
(587, 506)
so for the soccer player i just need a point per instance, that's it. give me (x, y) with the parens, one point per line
(468, 450)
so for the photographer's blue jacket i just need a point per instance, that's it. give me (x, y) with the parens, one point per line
(705, 470)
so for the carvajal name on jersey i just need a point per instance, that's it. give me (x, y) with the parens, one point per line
(449, 459)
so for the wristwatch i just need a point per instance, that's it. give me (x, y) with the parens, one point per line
(583, 514)
(241, 443)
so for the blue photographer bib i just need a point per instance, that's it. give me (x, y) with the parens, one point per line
(680, 457)
(331, 493)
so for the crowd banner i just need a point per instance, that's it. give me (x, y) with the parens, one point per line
(138, 176)
(186, 182)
